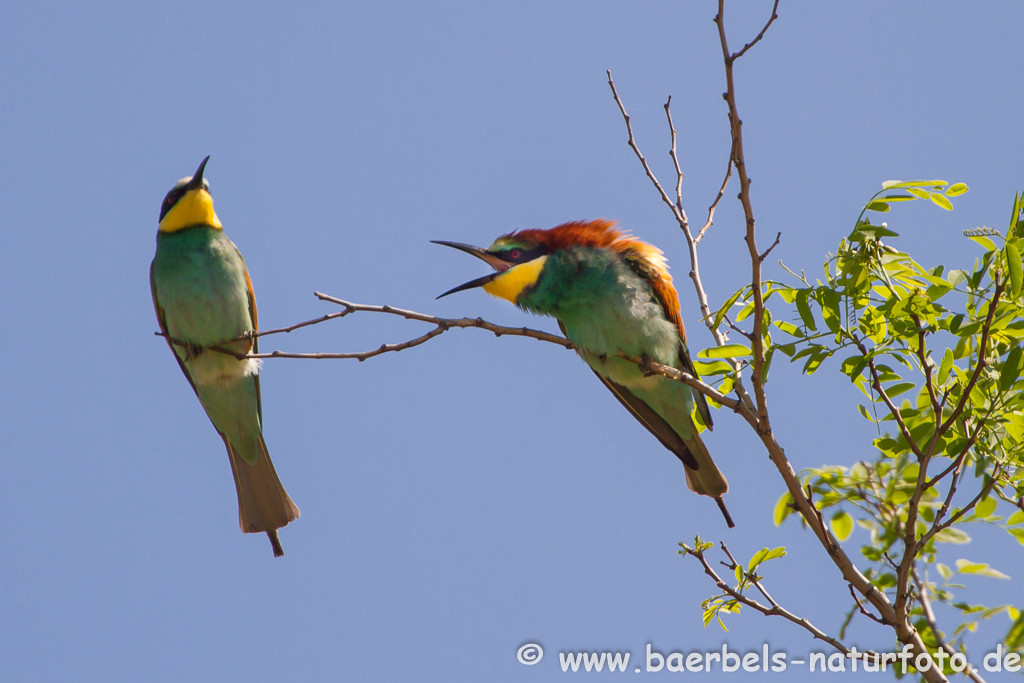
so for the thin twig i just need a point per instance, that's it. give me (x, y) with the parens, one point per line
(929, 615)
(982, 350)
(636, 150)
(774, 610)
(767, 251)
(863, 611)
(721, 193)
(760, 35)
(675, 158)
(748, 212)
(937, 527)
(893, 410)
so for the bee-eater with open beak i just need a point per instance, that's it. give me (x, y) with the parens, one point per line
(612, 296)
(203, 298)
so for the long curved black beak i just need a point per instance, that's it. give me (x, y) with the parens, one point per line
(490, 259)
(197, 180)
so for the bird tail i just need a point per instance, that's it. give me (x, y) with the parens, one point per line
(707, 479)
(263, 504)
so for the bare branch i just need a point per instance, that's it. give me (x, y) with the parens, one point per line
(929, 615)
(760, 35)
(863, 611)
(721, 193)
(443, 325)
(767, 251)
(639, 155)
(675, 159)
(774, 610)
(748, 212)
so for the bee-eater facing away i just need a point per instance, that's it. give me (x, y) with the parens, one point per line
(612, 295)
(203, 297)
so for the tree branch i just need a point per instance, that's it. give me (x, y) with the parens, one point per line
(929, 616)
(775, 610)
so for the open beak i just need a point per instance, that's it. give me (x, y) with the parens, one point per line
(197, 180)
(493, 261)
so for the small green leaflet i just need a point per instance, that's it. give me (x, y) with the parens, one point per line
(842, 525)
(725, 351)
(1014, 265)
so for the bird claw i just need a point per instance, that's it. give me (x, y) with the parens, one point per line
(645, 366)
(192, 351)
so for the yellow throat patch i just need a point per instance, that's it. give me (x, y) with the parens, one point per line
(510, 284)
(194, 208)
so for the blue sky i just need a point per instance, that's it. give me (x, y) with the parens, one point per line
(473, 494)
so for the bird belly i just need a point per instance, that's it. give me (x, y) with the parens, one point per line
(206, 303)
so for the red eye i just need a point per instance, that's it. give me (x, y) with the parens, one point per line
(515, 254)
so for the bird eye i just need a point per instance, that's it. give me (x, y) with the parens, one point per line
(515, 254)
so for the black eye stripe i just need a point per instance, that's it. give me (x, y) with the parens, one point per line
(521, 255)
(169, 201)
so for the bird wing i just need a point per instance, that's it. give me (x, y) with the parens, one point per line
(255, 348)
(646, 416)
(162, 321)
(666, 294)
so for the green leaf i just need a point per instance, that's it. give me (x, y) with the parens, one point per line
(951, 535)
(842, 525)
(944, 570)
(956, 190)
(1016, 214)
(717, 367)
(922, 194)
(878, 206)
(985, 507)
(726, 351)
(897, 389)
(968, 567)
(912, 183)
(1018, 534)
(763, 555)
(804, 309)
(985, 242)
(830, 309)
(940, 200)
(1011, 369)
(782, 508)
(1014, 265)
(1016, 518)
(944, 367)
(788, 328)
(725, 308)
(1015, 636)
(865, 229)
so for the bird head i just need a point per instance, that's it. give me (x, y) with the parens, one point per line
(189, 203)
(518, 260)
